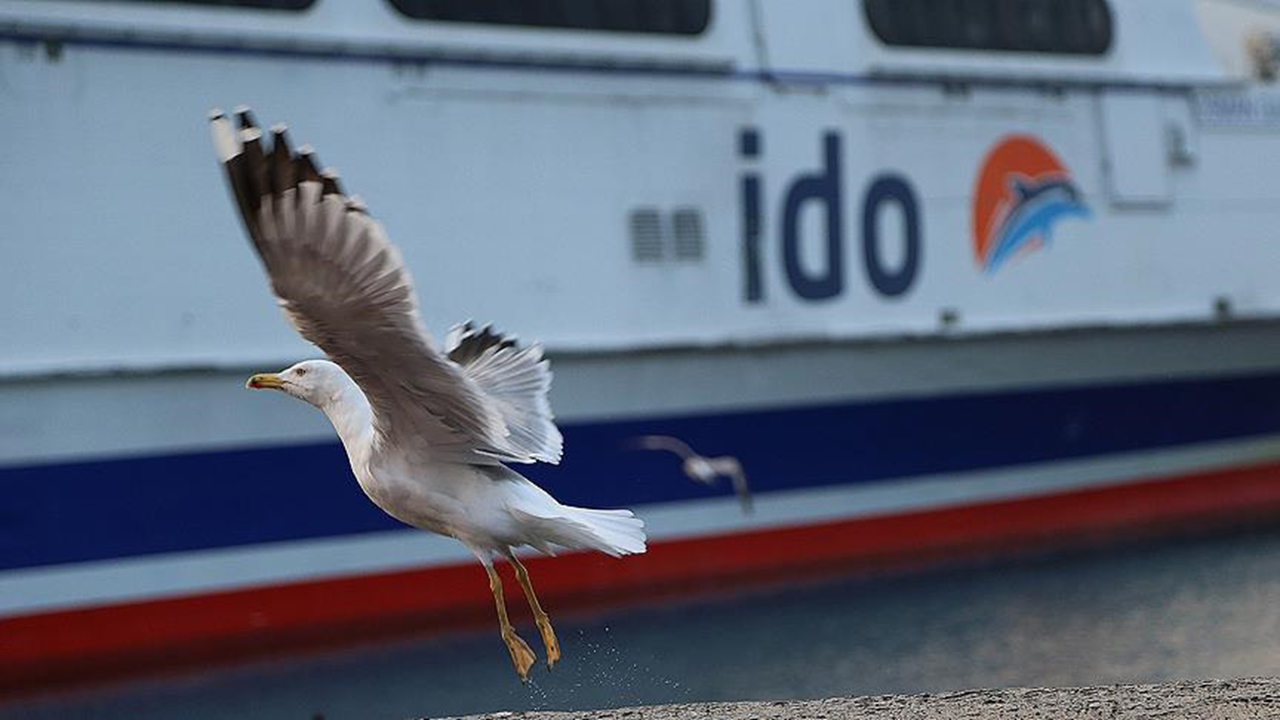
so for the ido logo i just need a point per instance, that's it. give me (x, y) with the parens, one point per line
(823, 189)
(1022, 191)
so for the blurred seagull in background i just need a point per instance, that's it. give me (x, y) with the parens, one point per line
(706, 470)
(427, 431)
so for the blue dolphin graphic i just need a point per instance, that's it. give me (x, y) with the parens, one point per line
(1038, 205)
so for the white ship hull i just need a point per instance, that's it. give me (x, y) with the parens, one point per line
(935, 306)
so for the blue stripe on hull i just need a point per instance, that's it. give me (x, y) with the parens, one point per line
(83, 511)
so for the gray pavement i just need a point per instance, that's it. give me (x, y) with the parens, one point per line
(1202, 700)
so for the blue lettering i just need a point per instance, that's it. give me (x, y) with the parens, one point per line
(890, 189)
(753, 274)
(822, 188)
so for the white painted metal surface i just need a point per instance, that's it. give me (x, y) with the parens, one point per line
(510, 186)
(509, 180)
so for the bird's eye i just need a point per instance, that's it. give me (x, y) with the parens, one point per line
(300, 371)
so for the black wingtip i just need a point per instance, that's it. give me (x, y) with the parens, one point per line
(245, 116)
(255, 166)
(329, 177)
(305, 166)
(356, 204)
(281, 168)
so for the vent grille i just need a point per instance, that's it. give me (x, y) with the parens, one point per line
(658, 237)
(688, 232)
(646, 235)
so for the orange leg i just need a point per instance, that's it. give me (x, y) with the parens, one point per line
(521, 656)
(539, 617)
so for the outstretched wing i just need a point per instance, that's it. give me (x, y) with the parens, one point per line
(664, 442)
(515, 380)
(344, 287)
(732, 469)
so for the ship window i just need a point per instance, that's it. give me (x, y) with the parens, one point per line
(662, 17)
(1076, 27)
(261, 4)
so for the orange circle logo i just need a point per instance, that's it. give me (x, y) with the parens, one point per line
(1022, 190)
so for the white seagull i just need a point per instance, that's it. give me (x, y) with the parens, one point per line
(706, 470)
(428, 432)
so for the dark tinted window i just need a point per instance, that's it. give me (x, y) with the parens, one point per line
(667, 17)
(263, 4)
(1080, 27)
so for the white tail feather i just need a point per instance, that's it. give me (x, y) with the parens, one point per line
(544, 522)
(613, 532)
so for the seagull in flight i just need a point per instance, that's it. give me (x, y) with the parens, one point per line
(429, 430)
(706, 470)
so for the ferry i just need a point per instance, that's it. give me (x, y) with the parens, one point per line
(946, 279)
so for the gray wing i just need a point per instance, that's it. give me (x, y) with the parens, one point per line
(664, 442)
(515, 379)
(733, 470)
(344, 287)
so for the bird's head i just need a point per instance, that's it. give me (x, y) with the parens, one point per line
(315, 381)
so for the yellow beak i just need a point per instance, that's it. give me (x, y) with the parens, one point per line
(264, 380)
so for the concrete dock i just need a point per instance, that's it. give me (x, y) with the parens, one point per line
(1201, 700)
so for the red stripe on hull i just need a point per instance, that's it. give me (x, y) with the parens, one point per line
(40, 650)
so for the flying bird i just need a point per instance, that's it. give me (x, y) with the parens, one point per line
(428, 430)
(706, 470)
